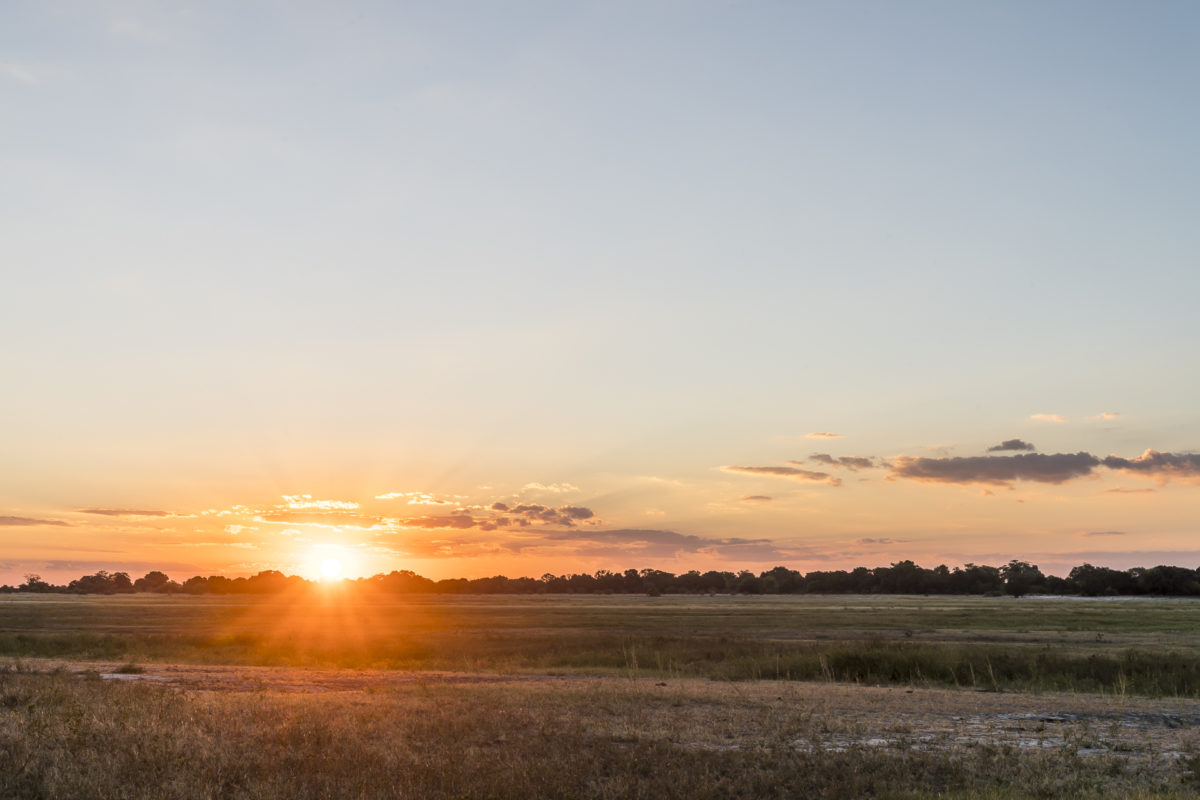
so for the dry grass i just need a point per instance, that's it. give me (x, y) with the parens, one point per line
(1147, 647)
(303, 734)
(561, 697)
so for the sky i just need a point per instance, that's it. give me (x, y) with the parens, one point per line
(476, 288)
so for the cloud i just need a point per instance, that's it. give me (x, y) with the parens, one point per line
(18, 72)
(1104, 533)
(884, 540)
(756, 498)
(30, 522)
(1161, 466)
(305, 502)
(1048, 417)
(124, 512)
(458, 521)
(503, 515)
(556, 488)
(1120, 490)
(822, 435)
(852, 463)
(1107, 415)
(794, 473)
(996, 470)
(328, 519)
(1012, 444)
(628, 543)
(418, 498)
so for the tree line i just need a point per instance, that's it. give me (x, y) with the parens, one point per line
(1015, 578)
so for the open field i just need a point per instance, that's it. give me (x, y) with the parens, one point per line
(1144, 646)
(607, 697)
(270, 732)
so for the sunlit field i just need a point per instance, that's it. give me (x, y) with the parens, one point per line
(324, 695)
(1144, 646)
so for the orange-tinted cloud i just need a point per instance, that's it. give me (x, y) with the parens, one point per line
(30, 522)
(822, 435)
(503, 515)
(795, 473)
(124, 512)
(1162, 467)
(1048, 417)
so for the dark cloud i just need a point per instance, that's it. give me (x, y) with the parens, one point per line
(884, 540)
(123, 512)
(852, 463)
(1012, 444)
(1161, 466)
(30, 522)
(1105, 533)
(506, 516)
(756, 498)
(996, 470)
(795, 473)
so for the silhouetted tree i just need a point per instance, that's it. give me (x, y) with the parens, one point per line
(1021, 577)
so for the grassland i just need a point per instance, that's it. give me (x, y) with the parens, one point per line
(1144, 647)
(329, 696)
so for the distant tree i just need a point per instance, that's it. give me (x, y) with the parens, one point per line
(102, 582)
(153, 581)
(1021, 577)
(1163, 580)
(781, 580)
(34, 583)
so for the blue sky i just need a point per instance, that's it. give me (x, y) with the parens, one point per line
(251, 250)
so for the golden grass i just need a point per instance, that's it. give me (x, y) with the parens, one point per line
(327, 734)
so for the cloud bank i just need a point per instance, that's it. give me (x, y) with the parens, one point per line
(996, 470)
(1160, 466)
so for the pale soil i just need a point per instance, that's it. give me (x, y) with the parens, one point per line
(707, 714)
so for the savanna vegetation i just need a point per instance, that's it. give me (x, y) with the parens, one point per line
(332, 692)
(76, 735)
(1141, 646)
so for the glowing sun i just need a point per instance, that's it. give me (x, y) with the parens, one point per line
(331, 568)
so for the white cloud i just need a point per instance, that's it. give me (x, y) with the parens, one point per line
(557, 488)
(299, 502)
(19, 73)
(1048, 417)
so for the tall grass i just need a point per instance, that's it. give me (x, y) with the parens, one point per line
(66, 737)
